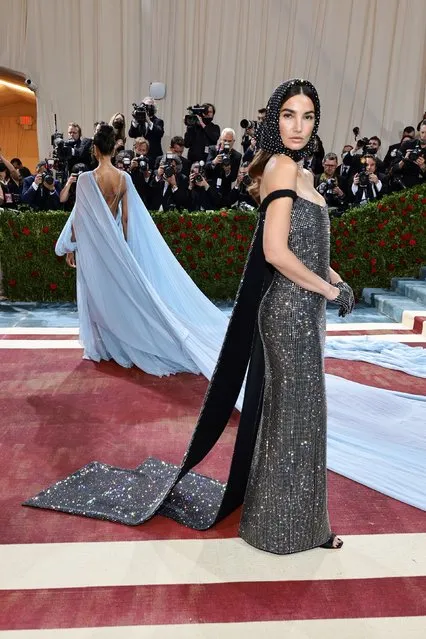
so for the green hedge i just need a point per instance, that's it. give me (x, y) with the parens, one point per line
(369, 245)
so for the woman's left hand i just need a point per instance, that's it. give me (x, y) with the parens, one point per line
(71, 260)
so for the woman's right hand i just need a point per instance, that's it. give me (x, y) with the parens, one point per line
(333, 293)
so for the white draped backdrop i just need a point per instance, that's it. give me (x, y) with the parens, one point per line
(92, 58)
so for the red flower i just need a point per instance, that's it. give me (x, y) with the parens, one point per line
(423, 200)
(239, 237)
(412, 242)
(53, 286)
(189, 224)
(338, 242)
(353, 222)
(216, 219)
(373, 261)
(231, 248)
(410, 207)
(200, 227)
(351, 256)
(26, 231)
(366, 255)
(217, 276)
(35, 273)
(416, 196)
(183, 235)
(373, 269)
(356, 271)
(391, 233)
(181, 219)
(201, 254)
(382, 243)
(229, 260)
(12, 282)
(346, 233)
(406, 236)
(251, 227)
(215, 236)
(402, 199)
(192, 265)
(188, 248)
(15, 235)
(224, 213)
(178, 249)
(394, 247)
(335, 265)
(391, 267)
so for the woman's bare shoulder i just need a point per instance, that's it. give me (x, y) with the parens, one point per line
(279, 173)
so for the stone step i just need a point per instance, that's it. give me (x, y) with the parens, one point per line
(414, 289)
(391, 303)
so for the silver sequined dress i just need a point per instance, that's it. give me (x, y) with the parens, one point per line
(285, 506)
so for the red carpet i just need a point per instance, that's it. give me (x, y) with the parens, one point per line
(57, 413)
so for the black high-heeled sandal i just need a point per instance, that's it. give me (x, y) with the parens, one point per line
(330, 543)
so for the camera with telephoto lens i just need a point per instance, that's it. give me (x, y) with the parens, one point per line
(62, 149)
(416, 153)
(140, 111)
(364, 179)
(248, 124)
(199, 177)
(143, 164)
(191, 118)
(226, 154)
(168, 166)
(47, 177)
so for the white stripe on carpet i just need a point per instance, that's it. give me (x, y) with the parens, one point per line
(368, 628)
(76, 565)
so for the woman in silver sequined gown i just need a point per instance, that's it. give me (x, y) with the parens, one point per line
(285, 505)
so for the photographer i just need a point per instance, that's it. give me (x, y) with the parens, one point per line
(146, 124)
(223, 162)
(368, 184)
(410, 165)
(202, 195)
(140, 170)
(364, 146)
(239, 197)
(118, 123)
(177, 145)
(169, 188)
(200, 131)
(391, 154)
(75, 149)
(67, 195)
(10, 183)
(41, 191)
(328, 183)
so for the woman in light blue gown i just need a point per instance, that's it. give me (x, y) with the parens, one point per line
(136, 304)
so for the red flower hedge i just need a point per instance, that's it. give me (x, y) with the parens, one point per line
(369, 245)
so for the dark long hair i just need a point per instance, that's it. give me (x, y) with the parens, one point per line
(260, 160)
(104, 139)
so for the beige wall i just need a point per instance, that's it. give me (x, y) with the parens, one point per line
(91, 58)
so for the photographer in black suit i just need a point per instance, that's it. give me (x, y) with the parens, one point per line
(202, 195)
(201, 132)
(145, 124)
(239, 197)
(410, 165)
(390, 156)
(169, 188)
(41, 191)
(74, 150)
(223, 162)
(368, 184)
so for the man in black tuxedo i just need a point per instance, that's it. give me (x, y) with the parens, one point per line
(177, 146)
(408, 132)
(169, 187)
(223, 162)
(41, 191)
(202, 134)
(145, 124)
(368, 184)
(411, 169)
(203, 196)
(79, 149)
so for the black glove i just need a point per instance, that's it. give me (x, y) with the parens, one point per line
(345, 300)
